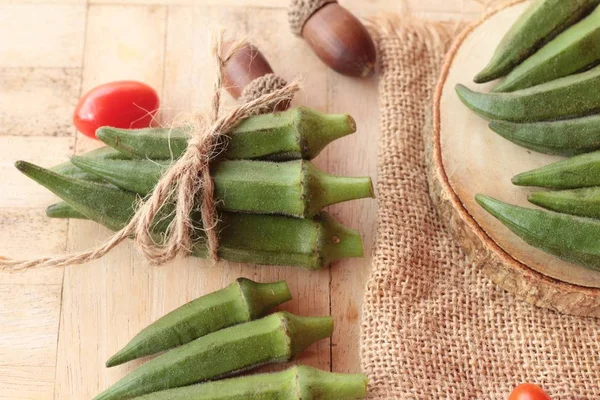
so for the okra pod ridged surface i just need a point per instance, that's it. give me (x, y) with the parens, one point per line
(276, 338)
(568, 97)
(63, 210)
(542, 21)
(572, 173)
(571, 238)
(582, 202)
(251, 238)
(572, 51)
(295, 188)
(242, 301)
(295, 383)
(567, 138)
(299, 133)
(105, 153)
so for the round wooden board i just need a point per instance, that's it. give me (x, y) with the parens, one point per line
(467, 158)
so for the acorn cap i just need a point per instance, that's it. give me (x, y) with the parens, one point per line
(300, 11)
(263, 85)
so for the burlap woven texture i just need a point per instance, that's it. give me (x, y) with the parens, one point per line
(435, 327)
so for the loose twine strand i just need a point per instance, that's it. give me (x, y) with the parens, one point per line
(187, 179)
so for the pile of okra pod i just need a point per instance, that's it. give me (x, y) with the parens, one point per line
(269, 196)
(228, 332)
(549, 102)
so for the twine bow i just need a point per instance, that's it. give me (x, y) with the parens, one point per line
(186, 181)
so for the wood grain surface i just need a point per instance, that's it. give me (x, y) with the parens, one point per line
(57, 327)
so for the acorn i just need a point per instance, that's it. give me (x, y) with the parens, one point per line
(337, 37)
(248, 75)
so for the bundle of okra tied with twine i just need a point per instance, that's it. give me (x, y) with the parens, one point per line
(162, 186)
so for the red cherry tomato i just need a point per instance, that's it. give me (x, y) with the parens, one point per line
(528, 391)
(121, 104)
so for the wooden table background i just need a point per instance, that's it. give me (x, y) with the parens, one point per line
(57, 327)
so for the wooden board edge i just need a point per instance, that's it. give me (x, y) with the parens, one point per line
(508, 273)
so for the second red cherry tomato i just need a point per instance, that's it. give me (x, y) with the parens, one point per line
(528, 391)
(121, 104)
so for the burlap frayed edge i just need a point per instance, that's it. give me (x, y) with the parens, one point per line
(504, 270)
(299, 11)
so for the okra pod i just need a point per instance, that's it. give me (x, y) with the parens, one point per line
(574, 50)
(260, 239)
(582, 202)
(276, 338)
(572, 173)
(299, 133)
(242, 301)
(542, 21)
(295, 188)
(568, 97)
(567, 138)
(574, 239)
(295, 383)
(63, 210)
(104, 153)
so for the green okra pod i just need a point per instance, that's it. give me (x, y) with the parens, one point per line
(299, 133)
(583, 202)
(295, 188)
(567, 138)
(542, 21)
(295, 383)
(104, 153)
(572, 173)
(574, 50)
(63, 210)
(574, 239)
(242, 301)
(569, 97)
(251, 238)
(276, 338)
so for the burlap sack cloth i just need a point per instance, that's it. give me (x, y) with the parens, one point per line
(435, 327)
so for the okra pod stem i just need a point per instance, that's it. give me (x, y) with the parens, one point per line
(299, 133)
(296, 383)
(572, 173)
(570, 238)
(295, 188)
(242, 301)
(260, 239)
(276, 338)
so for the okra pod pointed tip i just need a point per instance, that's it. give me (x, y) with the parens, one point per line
(483, 200)
(486, 75)
(23, 166)
(520, 179)
(63, 210)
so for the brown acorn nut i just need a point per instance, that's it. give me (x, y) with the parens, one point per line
(247, 75)
(338, 38)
